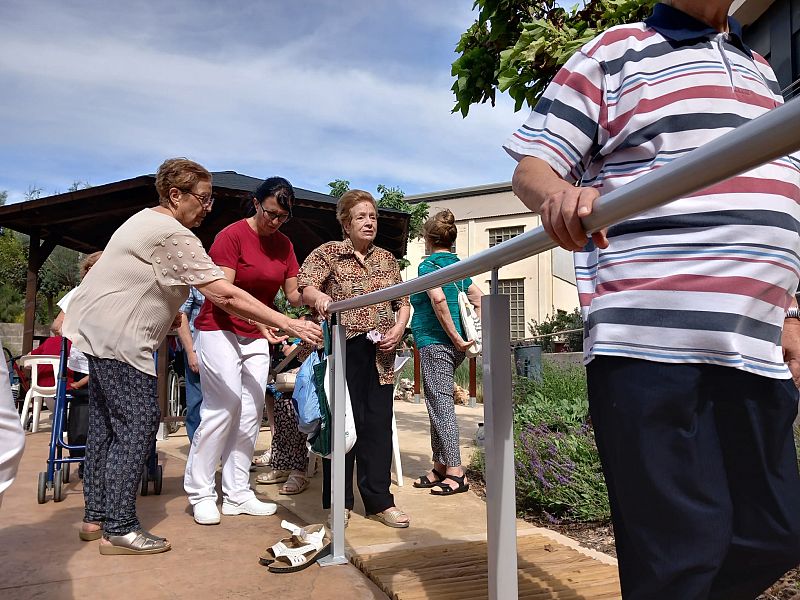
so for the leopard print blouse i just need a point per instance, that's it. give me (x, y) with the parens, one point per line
(335, 269)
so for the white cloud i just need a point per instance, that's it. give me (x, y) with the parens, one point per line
(119, 106)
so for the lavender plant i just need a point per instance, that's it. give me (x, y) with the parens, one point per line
(558, 472)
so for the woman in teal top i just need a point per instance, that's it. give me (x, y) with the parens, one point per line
(438, 334)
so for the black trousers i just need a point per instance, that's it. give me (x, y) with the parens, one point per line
(123, 420)
(702, 477)
(372, 413)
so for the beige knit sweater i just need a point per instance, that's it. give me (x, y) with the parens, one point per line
(125, 305)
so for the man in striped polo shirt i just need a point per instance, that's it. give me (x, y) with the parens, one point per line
(684, 305)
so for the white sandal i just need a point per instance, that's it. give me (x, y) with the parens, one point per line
(294, 553)
(263, 460)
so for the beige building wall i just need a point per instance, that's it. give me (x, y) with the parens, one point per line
(548, 280)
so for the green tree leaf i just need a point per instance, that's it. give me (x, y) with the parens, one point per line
(517, 46)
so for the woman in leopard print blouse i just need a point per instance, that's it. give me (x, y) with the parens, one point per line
(338, 271)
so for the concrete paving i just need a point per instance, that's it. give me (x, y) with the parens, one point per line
(43, 558)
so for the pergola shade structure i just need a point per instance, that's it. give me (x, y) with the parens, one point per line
(84, 220)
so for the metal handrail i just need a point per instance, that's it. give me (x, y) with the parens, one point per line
(770, 136)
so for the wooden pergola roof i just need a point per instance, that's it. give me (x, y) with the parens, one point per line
(84, 220)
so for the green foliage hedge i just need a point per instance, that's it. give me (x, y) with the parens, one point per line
(558, 472)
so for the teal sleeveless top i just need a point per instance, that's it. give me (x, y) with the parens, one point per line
(424, 325)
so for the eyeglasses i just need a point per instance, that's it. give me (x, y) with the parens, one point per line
(275, 216)
(205, 201)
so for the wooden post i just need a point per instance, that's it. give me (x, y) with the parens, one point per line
(417, 376)
(37, 254)
(473, 382)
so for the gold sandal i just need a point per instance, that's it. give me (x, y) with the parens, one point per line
(135, 542)
(391, 518)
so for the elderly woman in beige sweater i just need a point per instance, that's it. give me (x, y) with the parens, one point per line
(118, 317)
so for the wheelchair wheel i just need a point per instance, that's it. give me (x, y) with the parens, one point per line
(157, 482)
(144, 481)
(41, 492)
(58, 491)
(65, 473)
(173, 400)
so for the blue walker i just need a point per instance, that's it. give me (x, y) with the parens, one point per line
(58, 466)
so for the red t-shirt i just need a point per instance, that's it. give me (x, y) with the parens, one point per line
(51, 347)
(262, 266)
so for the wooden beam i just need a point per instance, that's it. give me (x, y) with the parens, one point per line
(31, 284)
(473, 381)
(417, 375)
(37, 254)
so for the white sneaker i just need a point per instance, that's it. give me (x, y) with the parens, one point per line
(206, 512)
(253, 506)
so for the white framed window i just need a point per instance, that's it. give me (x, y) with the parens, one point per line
(515, 289)
(503, 234)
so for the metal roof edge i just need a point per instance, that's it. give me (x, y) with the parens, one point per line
(478, 190)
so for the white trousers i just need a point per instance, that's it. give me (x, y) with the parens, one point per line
(233, 376)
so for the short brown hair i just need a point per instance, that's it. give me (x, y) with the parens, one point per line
(348, 200)
(180, 173)
(440, 230)
(88, 262)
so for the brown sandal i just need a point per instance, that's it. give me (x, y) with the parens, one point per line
(90, 535)
(295, 484)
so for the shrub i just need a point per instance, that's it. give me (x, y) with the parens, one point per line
(558, 472)
(559, 400)
(561, 321)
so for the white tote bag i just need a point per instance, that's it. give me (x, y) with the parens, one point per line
(471, 324)
(349, 423)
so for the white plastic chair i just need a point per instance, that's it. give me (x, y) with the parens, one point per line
(399, 362)
(37, 393)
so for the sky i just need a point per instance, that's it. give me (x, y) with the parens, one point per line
(312, 90)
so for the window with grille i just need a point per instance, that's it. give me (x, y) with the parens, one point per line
(515, 289)
(502, 234)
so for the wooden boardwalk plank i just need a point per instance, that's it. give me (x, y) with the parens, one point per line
(546, 570)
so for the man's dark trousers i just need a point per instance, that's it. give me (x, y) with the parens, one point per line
(702, 477)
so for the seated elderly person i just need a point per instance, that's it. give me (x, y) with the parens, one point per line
(347, 269)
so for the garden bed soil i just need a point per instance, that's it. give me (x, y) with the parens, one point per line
(600, 537)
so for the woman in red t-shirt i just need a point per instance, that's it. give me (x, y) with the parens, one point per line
(233, 355)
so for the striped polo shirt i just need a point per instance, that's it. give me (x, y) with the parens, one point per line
(703, 279)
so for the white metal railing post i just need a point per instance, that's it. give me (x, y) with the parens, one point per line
(501, 506)
(338, 360)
